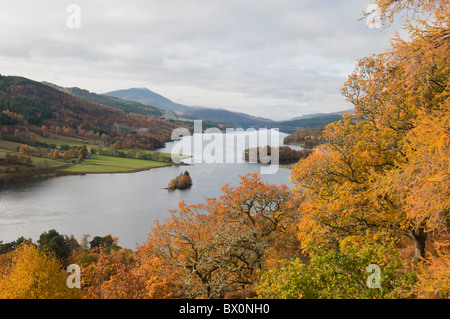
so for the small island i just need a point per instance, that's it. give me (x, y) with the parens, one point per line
(183, 181)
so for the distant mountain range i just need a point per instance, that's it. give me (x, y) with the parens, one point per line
(223, 116)
(146, 102)
(148, 97)
(142, 101)
(308, 116)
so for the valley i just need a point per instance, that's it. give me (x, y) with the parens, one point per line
(48, 129)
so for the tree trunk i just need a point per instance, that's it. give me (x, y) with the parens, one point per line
(419, 236)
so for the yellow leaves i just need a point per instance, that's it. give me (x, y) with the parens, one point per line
(434, 275)
(390, 162)
(335, 183)
(415, 8)
(29, 273)
(386, 167)
(159, 278)
(423, 182)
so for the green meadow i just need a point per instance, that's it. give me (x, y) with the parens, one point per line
(128, 160)
(108, 164)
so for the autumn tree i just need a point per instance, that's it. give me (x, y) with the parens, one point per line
(404, 93)
(331, 274)
(44, 131)
(107, 277)
(39, 274)
(433, 275)
(384, 171)
(184, 181)
(122, 273)
(66, 156)
(82, 153)
(219, 247)
(25, 149)
(334, 186)
(414, 9)
(55, 154)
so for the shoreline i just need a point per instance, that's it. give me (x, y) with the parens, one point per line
(57, 173)
(64, 173)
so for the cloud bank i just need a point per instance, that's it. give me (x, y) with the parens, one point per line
(277, 58)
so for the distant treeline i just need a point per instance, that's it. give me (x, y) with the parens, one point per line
(62, 246)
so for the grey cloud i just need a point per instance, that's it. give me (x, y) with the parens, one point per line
(289, 55)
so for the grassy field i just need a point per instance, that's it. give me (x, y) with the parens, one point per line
(96, 163)
(109, 164)
(138, 154)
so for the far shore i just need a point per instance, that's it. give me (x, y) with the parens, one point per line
(89, 168)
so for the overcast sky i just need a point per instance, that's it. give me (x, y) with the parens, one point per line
(270, 58)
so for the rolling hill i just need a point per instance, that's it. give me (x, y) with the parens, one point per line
(27, 104)
(223, 116)
(126, 105)
(292, 126)
(124, 112)
(148, 97)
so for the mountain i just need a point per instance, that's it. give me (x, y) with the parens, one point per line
(235, 119)
(146, 96)
(27, 104)
(308, 116)
(223, 116)
(292, 126)
(310, 121)
(127, 105)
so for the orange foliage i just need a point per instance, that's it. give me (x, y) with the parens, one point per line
(434, 274)
(384, 171)
(218, 247)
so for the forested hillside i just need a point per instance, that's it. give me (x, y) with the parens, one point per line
(25, 102)
(125, 105)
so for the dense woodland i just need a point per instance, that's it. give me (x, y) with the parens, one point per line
(376, 192)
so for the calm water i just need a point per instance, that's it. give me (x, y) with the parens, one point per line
(124, 205)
